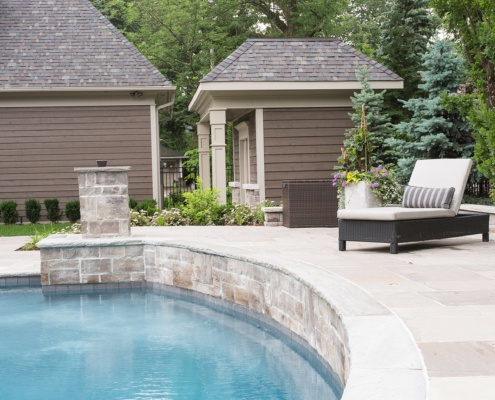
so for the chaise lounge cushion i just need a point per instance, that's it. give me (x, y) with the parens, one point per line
(394, 213)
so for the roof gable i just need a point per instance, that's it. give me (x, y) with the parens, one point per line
(65, 44)
(296, 60)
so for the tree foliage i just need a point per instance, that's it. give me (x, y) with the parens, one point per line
(373, 126)
(434, 131)
(472, 22)
(405, 34)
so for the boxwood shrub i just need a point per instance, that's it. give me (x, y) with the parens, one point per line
(33, 210)
(53, 211)
(10, 215)
(73, 211)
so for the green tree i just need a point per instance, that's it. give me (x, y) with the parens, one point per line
(434, 131)
(376, 126)
(405, 34)
(473, 24)
(361, 24)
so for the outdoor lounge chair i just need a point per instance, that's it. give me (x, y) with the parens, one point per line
(425, 213)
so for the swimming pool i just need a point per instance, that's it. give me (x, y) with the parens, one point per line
(142, 345)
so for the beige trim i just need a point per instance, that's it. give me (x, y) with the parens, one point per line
(204, 154)
(90, 89)
(206, 90)
(266, 100)
(83, 98)
(155, 157)
(260, 152)
(244, 158)
(219, 176)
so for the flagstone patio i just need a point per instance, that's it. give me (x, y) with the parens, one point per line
(443, 291)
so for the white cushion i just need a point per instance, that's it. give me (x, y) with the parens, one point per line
(394, 213)
(443, 173)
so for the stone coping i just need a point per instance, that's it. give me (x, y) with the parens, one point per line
(385, 363)
(102, 169)
(275, 209)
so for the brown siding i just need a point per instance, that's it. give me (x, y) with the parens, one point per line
(302, 143)
(40, 147)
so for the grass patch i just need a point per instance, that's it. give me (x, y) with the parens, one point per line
(32, 229)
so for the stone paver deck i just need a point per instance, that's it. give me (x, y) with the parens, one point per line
(444, 291)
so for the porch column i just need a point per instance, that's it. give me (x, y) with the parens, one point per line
(218, 119)
(204, 154)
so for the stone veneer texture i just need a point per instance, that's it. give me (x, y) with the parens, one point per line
(260, 288)
(104, 197)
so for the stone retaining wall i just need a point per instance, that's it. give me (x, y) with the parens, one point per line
(258, 288)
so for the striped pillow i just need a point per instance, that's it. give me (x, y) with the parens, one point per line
(423, 197)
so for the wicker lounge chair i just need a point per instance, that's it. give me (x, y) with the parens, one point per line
(417, 220)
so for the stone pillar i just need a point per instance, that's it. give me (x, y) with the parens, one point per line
(103, 192)
(204, 154)
(218, 120)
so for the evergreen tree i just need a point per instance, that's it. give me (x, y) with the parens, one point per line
(405, 34)
(434, 131)
(378, 125)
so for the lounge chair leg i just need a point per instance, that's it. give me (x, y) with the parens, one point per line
(342, 245)
(486, 237)
(394, 248)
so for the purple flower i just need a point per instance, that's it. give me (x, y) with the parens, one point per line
(362, 170)
(372, 170)
(377, 176)
(385, 174)
(334, 184)
(343, 183)
(342, 176)
(374, 184)
(336, 176)
(379, 167)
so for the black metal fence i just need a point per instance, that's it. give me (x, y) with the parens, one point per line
(177, 180)
(478, 189)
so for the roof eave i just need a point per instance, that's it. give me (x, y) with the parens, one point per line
(206, 89)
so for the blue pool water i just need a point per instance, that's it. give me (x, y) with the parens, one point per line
(141, 345)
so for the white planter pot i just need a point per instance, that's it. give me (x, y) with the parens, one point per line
(360, 195)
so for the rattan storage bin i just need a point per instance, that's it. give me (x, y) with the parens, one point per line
(309, 203)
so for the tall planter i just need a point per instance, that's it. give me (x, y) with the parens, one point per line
(360, 195)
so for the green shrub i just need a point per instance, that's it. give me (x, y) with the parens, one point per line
(140, 218)
(201, 206)
(73, 211)
(241, 214)
(132, 203)
(10, 215)
(148, 205)
(53, 211)
(172, 217)
(33, 210)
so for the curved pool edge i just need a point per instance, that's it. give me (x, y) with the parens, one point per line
(368, 347)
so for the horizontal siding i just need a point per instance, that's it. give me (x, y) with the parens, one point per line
(302, 144)
(40, 147)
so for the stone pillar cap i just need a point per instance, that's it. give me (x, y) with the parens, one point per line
(102, 169)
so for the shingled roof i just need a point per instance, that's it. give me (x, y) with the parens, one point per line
(296, 60)
(66, 44)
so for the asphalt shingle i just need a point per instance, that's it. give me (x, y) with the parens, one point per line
(293, 60)
(67, 43)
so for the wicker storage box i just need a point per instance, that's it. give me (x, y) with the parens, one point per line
(309, 203)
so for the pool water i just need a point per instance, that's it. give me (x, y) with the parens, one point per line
(142, 345)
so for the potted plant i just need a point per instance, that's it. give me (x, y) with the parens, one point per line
(361, 185)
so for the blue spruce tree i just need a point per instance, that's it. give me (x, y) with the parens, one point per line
(434, 131)
(378, 124)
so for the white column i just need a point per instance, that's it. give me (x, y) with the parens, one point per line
(218, 119)
(260, 152)
(204, 154)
